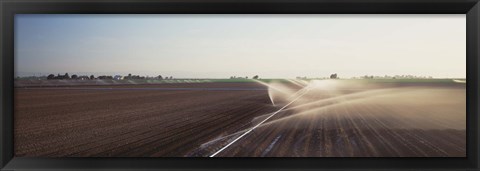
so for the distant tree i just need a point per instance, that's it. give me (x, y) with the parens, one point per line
(92, 77)
(171, 77)
(255, 77)
(51, 76)
(105, 77)
(333, 76)
(246, 77)
(66, 76)
(160, 77)
(74, 76)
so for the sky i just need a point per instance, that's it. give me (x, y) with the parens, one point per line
(220, 46)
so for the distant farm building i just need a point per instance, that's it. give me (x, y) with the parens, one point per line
(83, 77)
(118, 77)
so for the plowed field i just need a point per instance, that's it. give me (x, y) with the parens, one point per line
(199, 119)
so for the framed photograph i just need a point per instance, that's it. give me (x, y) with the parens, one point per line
(258, 85)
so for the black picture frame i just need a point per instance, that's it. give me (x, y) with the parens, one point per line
(9, 8)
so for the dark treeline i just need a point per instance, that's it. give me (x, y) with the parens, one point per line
(335, 76)
(332, 76)
(393, 77)
(66, 76)
(235, 77)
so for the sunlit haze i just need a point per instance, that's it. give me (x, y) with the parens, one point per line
(220, 46)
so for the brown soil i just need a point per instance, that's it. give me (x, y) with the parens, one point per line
(128, 123)
(408, 121)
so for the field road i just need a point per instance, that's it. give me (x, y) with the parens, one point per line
(331, 119)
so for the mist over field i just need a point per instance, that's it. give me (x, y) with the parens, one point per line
(240, 86)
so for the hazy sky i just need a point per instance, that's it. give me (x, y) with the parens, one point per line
(219, 46)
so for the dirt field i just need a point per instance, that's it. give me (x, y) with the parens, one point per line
(328, 119)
